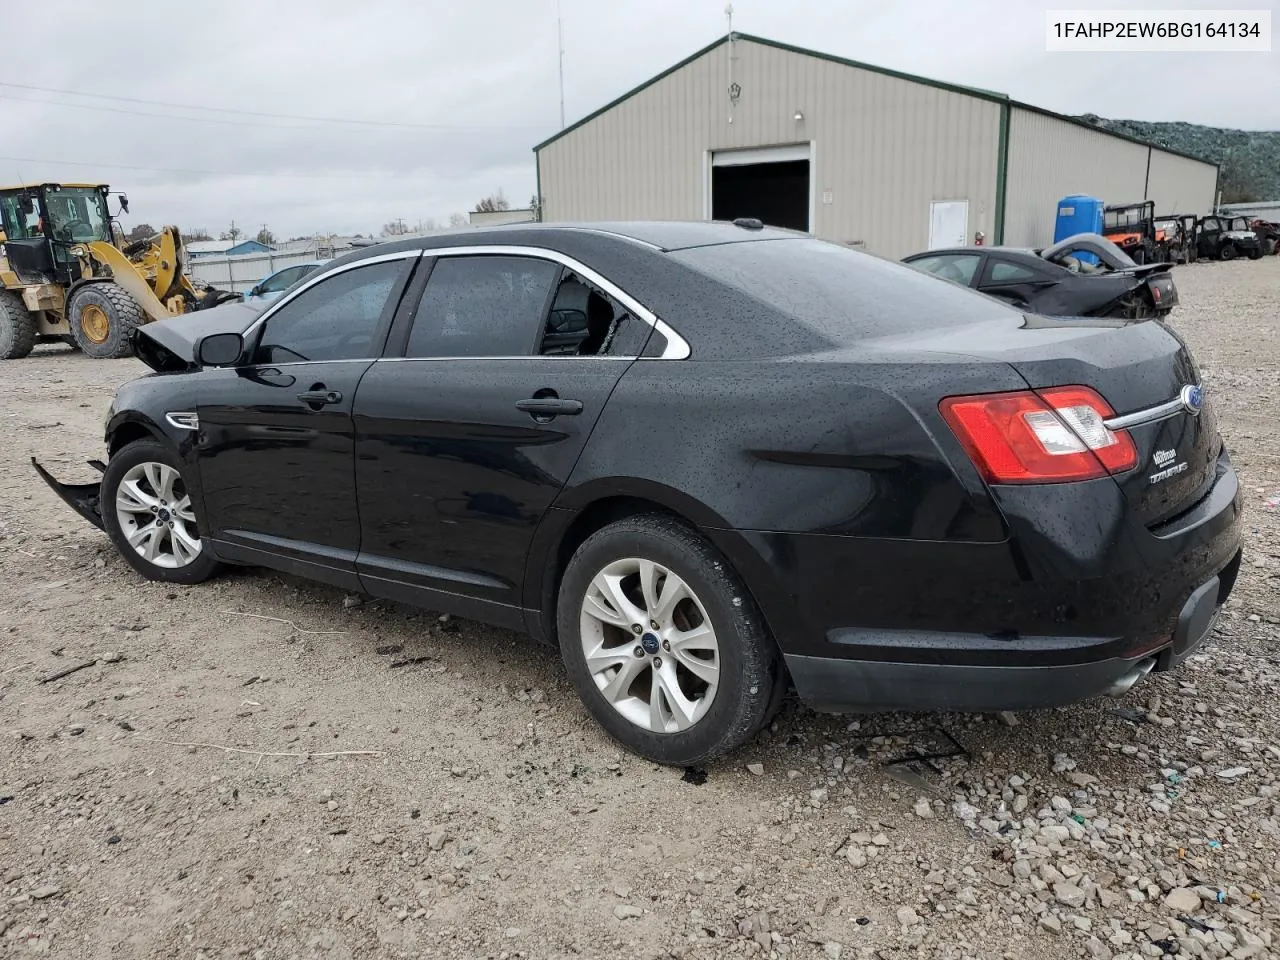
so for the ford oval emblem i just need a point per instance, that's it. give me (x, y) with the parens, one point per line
(1192, 397)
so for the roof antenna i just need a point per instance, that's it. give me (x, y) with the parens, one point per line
(560, 37)
(734, 89)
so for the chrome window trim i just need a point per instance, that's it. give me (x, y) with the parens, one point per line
(527, 356)
(1162, 411)
(677, 348)
(317, 277)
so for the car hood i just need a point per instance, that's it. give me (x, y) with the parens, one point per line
(169, 345)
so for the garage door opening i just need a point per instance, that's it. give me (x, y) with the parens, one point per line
(772, 185)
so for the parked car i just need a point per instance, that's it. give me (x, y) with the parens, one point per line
(1083, 276)
(277, 283)
(706, 461)
(1227, 238)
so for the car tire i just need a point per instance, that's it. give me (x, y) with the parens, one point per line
(693, 716)
(17, 327)
(148, 513)
(103, 317)
(1228, 252)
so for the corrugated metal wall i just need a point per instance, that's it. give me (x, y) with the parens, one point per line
(1179, 185)
(883, 147)
(1050, 159)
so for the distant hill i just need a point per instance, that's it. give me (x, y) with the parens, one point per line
(1250, 159)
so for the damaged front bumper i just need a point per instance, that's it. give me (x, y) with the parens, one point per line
(83, 498)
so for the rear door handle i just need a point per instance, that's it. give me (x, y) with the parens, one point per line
(318, 396)
(539, 407)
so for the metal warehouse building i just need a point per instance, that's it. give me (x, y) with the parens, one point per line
(850, 152)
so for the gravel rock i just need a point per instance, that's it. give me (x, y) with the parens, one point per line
(625, 911)
(906, 917)
(1051, 923)
(924, 809)
(1182, 900)
(756, 769)
(45, 892)
(1069, 894)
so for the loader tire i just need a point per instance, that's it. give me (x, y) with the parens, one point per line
(17, 327)
(103, 318)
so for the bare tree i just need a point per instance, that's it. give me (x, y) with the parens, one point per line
(141, 232)
(493, 203)
(396, 228)
(196, 233)
(233, 234)
(265, 236)
(426, 225)
(458, 220)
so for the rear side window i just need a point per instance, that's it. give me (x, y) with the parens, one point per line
(958, 268)
(584, 321)
(337, 319)
(839, 293)
(1002, 272)
(482, 307)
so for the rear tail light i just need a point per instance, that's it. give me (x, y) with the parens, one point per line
(1050, 436)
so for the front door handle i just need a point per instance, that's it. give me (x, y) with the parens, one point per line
(318, 396)
(547, 407)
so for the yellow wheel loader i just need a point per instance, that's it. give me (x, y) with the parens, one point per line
(66, 274)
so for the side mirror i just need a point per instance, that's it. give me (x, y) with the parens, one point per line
(124, 203)
(219, 349)
(253, 292)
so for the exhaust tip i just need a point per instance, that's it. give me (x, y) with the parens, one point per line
(1122, 684)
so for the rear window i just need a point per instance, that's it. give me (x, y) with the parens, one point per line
(837, 292)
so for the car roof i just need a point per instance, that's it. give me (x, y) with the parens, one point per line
(954, 251)
(659, 235)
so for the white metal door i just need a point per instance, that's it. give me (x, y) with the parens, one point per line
(948, 224)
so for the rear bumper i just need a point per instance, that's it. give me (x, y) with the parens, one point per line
(1078, 600)
(83, 498)
(1066, 669)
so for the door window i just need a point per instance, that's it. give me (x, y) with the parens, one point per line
(1003, 272)
(586, 322)
(954, 267)
(482, 306)
(337, 319)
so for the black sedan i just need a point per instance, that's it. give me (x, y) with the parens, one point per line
(708, 461)
(1083, 276)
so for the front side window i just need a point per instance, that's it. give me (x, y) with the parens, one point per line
(337, 319)
(482, 306)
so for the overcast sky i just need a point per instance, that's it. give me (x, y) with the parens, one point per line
(454, 94)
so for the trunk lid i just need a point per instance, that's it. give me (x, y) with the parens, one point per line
(1135, 367)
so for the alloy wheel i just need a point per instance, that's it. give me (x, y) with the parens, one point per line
(155, 515)
(649, 645)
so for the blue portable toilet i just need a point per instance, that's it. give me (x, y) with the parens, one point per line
(1077, 213)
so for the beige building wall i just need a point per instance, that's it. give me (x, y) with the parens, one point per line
(883, 147)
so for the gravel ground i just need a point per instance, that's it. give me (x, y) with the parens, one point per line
(160, 804)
